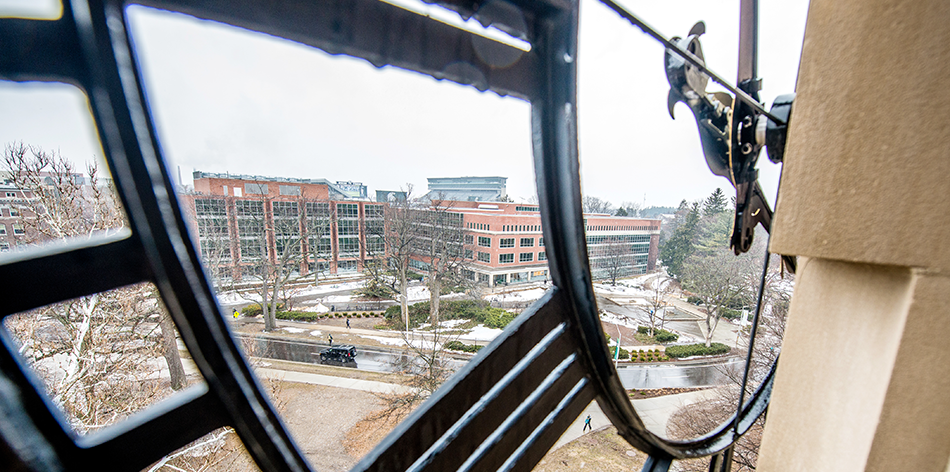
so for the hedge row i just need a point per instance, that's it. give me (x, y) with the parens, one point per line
(255, 310)
(460, 346)
(697, 350)
(476, 311)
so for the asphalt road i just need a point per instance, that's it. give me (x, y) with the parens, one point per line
(391, 360)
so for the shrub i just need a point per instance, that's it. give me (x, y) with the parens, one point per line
(255, 309)
(694, 300)
(473, 310)
(730, 314)
(696, 350)
(624, 354)
(664, 336)
(460, 346)
(643, 330)
(297, 315)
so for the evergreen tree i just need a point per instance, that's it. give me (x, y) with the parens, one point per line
(680, 244)
(621, 212)
(715, 203)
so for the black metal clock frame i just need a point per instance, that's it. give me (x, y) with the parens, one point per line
(503, 411)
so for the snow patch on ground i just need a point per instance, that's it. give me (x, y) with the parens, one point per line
(232, 298)
(419, 343)
(608, 317)
(338, 299)
(481, 333)
(291, 329)
(622, 288)
(522, 296)
(452, 323)
(327, 288)
(318, 308)
(316, 332)
(417, 293)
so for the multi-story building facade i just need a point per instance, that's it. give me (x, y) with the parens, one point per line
(304, 225)
(471, 189)
(12, 200)
(504, 243)
(241, 221)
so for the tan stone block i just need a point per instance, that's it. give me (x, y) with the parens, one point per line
(868, 159)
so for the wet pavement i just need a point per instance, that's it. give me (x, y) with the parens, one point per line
(383, 360)
(672, 376)
(367, 358)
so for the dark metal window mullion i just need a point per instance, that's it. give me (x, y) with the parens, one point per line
(416, 434)
(537, 445)
(500, 401)
(147, 193)
(532, 411)
(57, 273)
(130, 445)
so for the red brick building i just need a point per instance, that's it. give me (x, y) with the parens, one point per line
(506, 244)
(241, 221)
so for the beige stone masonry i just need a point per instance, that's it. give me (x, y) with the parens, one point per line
(864, 378)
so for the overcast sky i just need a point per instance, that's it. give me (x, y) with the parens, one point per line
(226, 99)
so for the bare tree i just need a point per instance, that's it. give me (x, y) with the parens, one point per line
(699, 418)
(611, 259)
(214, 238)
(95, 352)
(319, 237)
(660, 288)
(596, 205)
(400, 234)
(441, 248)
(271, 248)
(632, 208)
(719, 280)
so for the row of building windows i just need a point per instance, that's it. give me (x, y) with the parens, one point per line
(17, 229)
(527, 208)
(520, 228)
(510, 242)
(318, 212)
(508, 258)
(253, 249)
(347, 210)
(627, 238)
(8, 211)
(621, 228)
(481, 226)
(504, 243)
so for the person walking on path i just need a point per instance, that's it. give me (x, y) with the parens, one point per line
(235, 313)
(587, 425)
(347, 322)
(330, 338)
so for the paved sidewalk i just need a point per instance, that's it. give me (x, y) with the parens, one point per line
(331, 381)
(385, 333)
(315, 379)
(655, 413)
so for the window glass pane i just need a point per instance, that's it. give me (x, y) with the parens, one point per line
(33, 9)
(658, 230)
(55, 185)
(334, 187)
